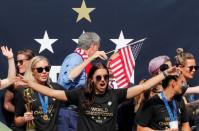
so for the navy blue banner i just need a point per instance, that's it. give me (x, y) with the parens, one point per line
(49, 26)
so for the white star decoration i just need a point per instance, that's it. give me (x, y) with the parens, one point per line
(121, 41)
(76, 40)
(46, 43)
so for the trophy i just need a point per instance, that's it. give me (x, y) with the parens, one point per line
(30, 126)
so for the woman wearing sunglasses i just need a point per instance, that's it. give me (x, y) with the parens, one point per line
(187, 64)
(43, 109)
(156, 66)
(97, 104)
(23, 59)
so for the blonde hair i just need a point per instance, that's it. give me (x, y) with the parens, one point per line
(182, 56)
(29, 73)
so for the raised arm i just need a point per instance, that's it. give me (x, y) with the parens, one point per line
(74, 73)
(135, 90)
(57, 94)
(192, 90)
(11, 68)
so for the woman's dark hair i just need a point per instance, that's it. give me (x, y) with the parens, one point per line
(166, 81)
(89, 91)
(182, 56)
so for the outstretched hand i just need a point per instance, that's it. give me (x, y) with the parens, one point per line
(7, 52)
(21, 81)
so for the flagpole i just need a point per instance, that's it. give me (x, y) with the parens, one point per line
(141, 40)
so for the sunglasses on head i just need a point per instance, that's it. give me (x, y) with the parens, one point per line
(99, 77)
(192, 67)
(164, 67)
(20, 62)
(41, 69)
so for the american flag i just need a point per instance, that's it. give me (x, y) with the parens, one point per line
(136, 49)
(123, 67)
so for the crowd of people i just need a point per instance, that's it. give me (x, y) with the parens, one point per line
(87, 98)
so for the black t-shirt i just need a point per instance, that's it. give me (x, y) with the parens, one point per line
(154, 114)
(126, 116)
(40, 123)
(102, 114)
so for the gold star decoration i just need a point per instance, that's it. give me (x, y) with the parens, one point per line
(83, 12)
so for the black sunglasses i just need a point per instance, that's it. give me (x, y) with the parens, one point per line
(192, 67)
(164, 67)
(41, 69)
(21, 61)
(99, 77)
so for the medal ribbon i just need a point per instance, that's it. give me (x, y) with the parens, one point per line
(44, 104)
(172, 116)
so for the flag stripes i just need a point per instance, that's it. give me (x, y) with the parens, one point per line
(123, 66)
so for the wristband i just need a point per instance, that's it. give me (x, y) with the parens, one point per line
(10, 58)
(165, 74)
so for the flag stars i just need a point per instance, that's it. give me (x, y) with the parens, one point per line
(83, 12)
(46, 42)
(121, 41)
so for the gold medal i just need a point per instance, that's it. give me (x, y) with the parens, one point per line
(45, 117)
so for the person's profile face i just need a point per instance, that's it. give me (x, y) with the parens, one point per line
(93, 48)
(189, 69)
(22, 63)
